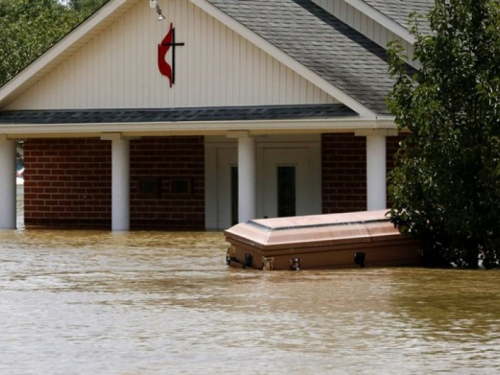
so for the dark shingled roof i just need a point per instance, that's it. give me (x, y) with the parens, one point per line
(176, 114)
(321, 42)
(399, 11)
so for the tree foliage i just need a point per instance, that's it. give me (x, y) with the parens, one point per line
(446, 186)
(85, 6)
(28, 28)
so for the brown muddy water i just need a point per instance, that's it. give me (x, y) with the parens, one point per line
(95, 302)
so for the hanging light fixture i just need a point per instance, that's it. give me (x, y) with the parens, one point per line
(153, 4)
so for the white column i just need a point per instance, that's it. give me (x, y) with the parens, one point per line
(120, 184)
(7, 183)
(376, 186)
(246, 179)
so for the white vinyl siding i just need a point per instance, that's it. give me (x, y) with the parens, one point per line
(118, 68)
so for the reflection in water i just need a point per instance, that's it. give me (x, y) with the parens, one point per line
(92, 302)
(20, 206)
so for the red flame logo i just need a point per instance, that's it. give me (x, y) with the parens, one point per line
(163, 66)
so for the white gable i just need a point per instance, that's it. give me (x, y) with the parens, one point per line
(216, 67)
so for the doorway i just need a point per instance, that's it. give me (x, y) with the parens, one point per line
(288, 181)
(285, 186)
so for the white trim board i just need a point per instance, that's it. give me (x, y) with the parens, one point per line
(16, 131)
(382, 19)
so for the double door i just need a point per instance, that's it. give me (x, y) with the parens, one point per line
(288, 183)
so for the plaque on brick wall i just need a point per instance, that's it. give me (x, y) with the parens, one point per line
(150, 187)
(181, 186)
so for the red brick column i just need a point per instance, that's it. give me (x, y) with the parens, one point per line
(67, 183)
(344, 172)
(167, 183)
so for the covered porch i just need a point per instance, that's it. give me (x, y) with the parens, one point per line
(203, 168)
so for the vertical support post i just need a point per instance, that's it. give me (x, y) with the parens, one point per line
(120, 184)
(376, 185)
(7, 183)
(246, 179)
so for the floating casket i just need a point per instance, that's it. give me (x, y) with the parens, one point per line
(321, 241)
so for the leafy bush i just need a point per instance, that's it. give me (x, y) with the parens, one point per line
(446, 186)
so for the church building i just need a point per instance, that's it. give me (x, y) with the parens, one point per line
(199, 114)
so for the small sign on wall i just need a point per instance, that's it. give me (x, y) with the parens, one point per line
(150, 187)
(181, 186)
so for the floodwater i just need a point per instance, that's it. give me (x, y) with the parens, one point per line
(95, 302)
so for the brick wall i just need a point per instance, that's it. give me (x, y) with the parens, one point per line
(68, 183)
(161, 170)
(344, 173)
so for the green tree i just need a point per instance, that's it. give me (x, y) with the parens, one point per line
(28, 28)
(85, 6)
(446, 186)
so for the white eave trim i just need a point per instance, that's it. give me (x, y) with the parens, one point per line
(284, 58)
(59, 48)
(345, 124)
(382, 19)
